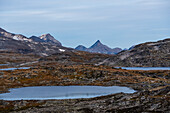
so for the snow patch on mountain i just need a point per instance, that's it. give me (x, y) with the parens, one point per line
(15, 38)
(62, 50)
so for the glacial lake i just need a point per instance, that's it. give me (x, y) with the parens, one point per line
(145, 68)
(8, 69)
(61, 92)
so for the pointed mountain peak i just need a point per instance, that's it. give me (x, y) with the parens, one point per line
(98, 42)
(48, 34)
(45, 36)
(49, 38)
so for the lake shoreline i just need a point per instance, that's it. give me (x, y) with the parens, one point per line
(147, 84)
(62, 92)
(131, 102)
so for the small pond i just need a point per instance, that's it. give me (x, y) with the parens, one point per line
(145, 68)
(61, 92)
(4, 64)
(8, 69)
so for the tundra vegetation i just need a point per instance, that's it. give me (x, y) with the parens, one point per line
(81, 68)
(51, 64)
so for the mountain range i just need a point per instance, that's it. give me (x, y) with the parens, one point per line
(149, 54)
(43, 45)
(98, 47)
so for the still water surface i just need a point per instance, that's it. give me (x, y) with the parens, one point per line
(62, 92)
(8, 69)
(145, 68)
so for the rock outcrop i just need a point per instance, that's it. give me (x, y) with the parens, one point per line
(149, 54)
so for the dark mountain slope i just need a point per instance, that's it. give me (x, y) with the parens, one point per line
(150, 54)
(81, 48)
(43, 45)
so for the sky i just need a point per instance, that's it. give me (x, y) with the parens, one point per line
(116, 23)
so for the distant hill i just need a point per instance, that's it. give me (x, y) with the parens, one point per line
(98, 47)
(149, 54)
(81, 48)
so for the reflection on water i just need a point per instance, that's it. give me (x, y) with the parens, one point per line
(61, 92)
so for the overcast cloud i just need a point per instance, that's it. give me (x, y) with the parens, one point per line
(115, 22)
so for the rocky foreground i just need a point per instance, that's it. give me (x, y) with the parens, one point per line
(153, 88)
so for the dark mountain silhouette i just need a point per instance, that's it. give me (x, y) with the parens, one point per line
(98, 47)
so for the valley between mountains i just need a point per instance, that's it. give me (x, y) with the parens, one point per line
(51, 64)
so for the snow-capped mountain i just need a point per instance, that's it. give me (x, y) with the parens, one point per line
(43, 45)
(46, 38)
